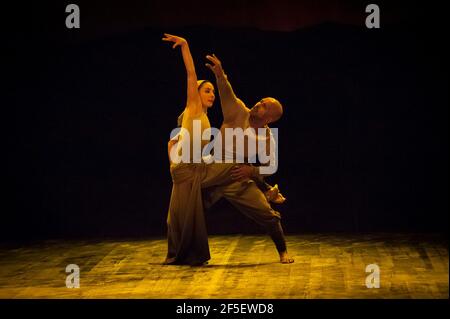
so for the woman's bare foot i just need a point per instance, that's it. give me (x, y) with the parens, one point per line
(285, 259)
(169, 261)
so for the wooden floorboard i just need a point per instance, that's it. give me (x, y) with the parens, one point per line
(326, 266)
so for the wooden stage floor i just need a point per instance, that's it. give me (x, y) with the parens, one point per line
(326, 266)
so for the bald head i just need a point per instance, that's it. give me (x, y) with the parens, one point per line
(274, 109)
(266, 111)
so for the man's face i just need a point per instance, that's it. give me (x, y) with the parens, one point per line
(260, 109)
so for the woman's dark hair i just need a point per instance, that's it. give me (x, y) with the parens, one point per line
(202, 82)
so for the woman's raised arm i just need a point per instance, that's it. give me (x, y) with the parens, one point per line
(193, 103)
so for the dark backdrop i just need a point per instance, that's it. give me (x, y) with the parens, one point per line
(363, 141)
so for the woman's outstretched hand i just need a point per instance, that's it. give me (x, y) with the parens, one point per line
(177, 41)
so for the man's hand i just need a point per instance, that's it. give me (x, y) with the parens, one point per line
(216, 67)
(176, 40)
(242, 172)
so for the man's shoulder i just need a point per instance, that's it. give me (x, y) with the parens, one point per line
(240, 120)
(242, 105)
(240, 102)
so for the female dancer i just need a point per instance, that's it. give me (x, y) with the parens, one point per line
(187, 236)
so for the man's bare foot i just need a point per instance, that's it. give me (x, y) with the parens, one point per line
(285, 259)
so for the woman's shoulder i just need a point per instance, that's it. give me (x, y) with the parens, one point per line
(190, 115)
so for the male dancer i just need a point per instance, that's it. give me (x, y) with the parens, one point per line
(244, 194)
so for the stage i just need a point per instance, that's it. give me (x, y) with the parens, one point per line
(242, 266)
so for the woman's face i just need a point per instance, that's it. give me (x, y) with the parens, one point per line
(207, 95)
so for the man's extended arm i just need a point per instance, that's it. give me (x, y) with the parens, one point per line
(232, 107)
